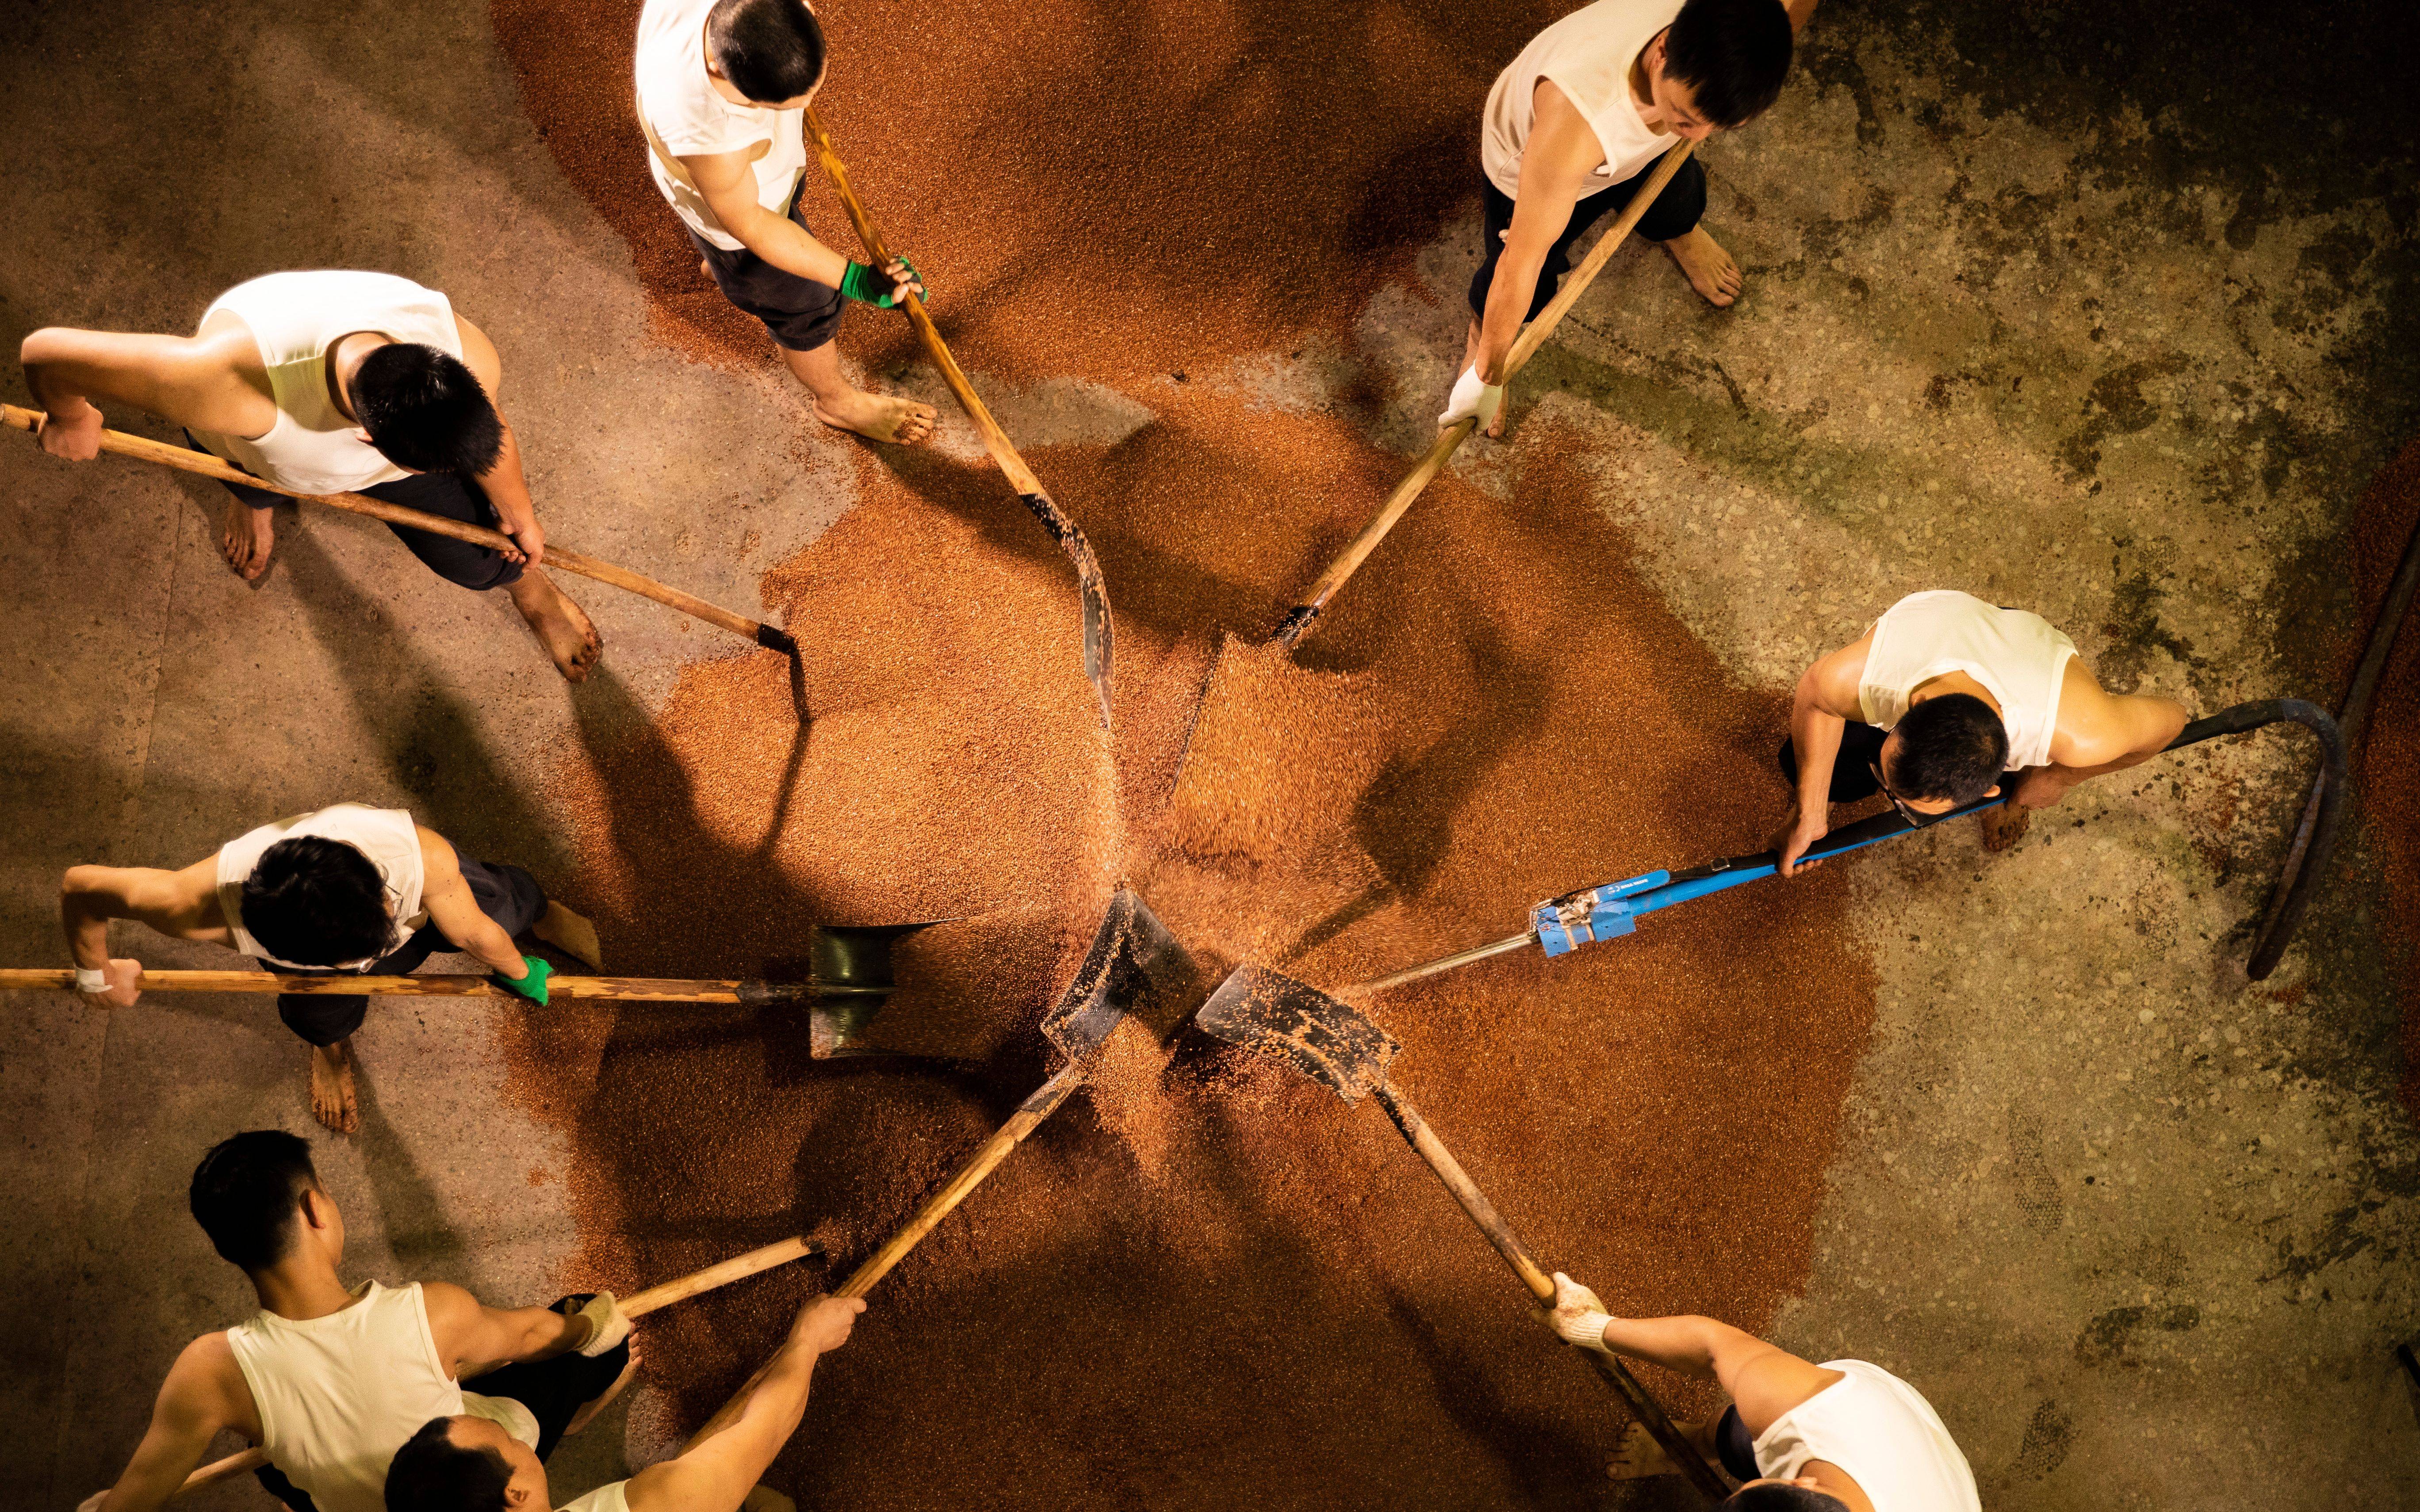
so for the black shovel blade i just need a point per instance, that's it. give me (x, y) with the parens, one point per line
(1135, 968)
(847, 979)
(1270, 1013)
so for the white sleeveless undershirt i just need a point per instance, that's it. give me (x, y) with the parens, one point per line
(1878, 1429)
(2020, 658)
(387, 836)
(613, 1496)
(339, 1395)
(294, 318)
(1587, 55)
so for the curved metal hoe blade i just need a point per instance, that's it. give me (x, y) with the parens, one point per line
(1135, 969)
(1270, 1013)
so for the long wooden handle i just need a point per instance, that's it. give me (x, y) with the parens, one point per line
(1643, 1406)
(185, 459)
(1298, 620)
(1093, 591)
(1027, 1117)
(638, 1304)
(627, 989)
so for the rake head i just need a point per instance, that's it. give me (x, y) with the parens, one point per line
(1271, 1014)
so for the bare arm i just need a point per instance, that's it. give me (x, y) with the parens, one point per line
(727, 180)
(183, 904)
(505, 484)
(717, 1467)
(472, 1338)
(1763, 1381)
(204, 1393)
(187, 380)
(456, 912)
(1825, 701)
(1563, 150)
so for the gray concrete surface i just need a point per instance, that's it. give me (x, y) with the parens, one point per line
(2103, 310)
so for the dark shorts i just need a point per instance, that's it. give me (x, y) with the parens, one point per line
(1853, 774)
(507, 894)
(1735, 1446)
(553, 1390)
(1675, 212)
(447, 494)
(802, 314)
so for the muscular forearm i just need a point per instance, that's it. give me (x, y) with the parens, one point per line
(527, 1333)
(508, 488)
(84, 916)
(1686, 1344)
(487, 940)
(764, 1412)
(1508, 302)
(786, 245)
(1815, 735)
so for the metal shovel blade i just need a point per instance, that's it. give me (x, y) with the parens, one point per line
(848, 980)
(1270, 1013)
(1134, 968)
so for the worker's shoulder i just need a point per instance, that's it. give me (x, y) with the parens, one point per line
(206, 1373)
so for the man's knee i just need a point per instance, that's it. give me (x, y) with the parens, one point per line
(321, 1019)
(1676, 210)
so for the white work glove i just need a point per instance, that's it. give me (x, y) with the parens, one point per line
(1470, 397)
(607, 1327)
(1578, 1317)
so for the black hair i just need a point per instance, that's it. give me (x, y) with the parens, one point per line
(1732, 55)
(433, 1473)
(425, 410)
(247, 1195)
(1768, 1499)
(1951, 746)
(317, 902)
(770, 50)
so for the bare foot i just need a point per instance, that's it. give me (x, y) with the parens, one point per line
(1710, 268)
(579, 1419)
(245, 540)
(878, 417)
(763, 1498)
(1638, 1456)
(570, 933)
(560, 625)
(332, 1086)
(2004, 825)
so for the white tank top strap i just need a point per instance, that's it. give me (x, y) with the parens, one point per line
(2020, 658)
(1883, 1433)
(1588, 55)
(294, 318)
(387, 836)
(612, 1497)
(339, 1395)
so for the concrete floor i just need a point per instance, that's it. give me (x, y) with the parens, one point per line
(2107, 311)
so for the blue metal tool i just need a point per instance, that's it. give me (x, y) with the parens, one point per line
(1562, 925)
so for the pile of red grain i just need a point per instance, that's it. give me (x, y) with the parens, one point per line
(1206, 1280)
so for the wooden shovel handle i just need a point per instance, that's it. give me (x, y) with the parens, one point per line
(1482, 1212)
(624, 989)
(638, 1304)
(1029, 1115)
(201, 464)
(1298, 621)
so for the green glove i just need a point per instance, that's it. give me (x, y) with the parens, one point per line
(862, 282)
(532, 986)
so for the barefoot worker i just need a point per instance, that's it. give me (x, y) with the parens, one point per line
(1843, 1435)
(465, 1462)
(1573, 128)
(347, 890)
(331, 382)
(331, 1379)
(1939, 697)
(723, 87)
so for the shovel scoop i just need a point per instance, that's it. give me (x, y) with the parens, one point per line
(1271, 1014)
